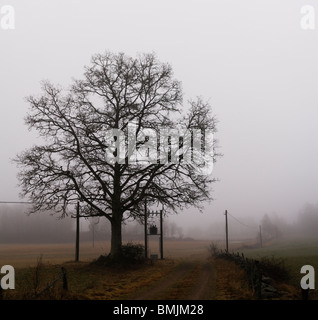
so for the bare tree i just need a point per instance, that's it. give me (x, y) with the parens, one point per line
(78, 128)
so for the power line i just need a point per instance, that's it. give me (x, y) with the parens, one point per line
(15, 202)
(27, 202)
(243, 224)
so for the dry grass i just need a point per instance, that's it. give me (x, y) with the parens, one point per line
(25, 255)
(231, 281)
(120, 284)
(183, 287)
(87, 281)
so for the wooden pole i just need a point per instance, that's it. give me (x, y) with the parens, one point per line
(77, 234)
(146, 240)
(93, 235)
(260, 236)
(161, 236)
(226, 232)
(64, 277)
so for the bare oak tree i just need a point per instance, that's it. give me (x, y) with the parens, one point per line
(70, 165)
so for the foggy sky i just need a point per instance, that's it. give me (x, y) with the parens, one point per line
(250, 59)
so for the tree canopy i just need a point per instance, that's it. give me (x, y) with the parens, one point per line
(110, 142)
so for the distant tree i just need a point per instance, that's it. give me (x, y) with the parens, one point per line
(84, 157)
(180, 232)
(270, 230)
(173, 229)
(308, 219)
(17, 227)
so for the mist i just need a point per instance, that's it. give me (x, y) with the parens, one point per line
(252, 60)
(17, 227)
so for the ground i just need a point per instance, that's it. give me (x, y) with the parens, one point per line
(187, 272)
(189, 280)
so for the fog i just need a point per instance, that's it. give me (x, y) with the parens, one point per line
(18, 227)
(250, 59)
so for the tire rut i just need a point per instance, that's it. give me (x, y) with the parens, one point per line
(191, 280)
(158, 289)
(204, 286)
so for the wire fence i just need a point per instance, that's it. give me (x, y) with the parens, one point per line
(62, 276)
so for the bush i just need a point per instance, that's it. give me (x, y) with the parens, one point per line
(131, 254)
(214, 250)
(275, 268)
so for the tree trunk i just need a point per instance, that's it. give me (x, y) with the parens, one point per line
(115, 249)
(116, 241)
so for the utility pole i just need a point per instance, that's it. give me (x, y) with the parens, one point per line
(93, 235)
(146, 231)
(161, 236)
(260, 236)
(226, 232)
(93, 223)
(77, 233)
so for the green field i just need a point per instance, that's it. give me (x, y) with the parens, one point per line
(294, 252)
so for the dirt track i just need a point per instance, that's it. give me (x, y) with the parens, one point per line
(190, 280)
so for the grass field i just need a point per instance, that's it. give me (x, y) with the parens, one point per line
(37, 266)
(183, 273)
(24, 255)
(294, 253)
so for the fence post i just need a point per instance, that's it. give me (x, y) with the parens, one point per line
(258, 280)
(304, 294)
(77, 232)
(226, 232)
(64, 277)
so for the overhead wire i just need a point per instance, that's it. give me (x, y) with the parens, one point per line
(15, 202)
(243, 224)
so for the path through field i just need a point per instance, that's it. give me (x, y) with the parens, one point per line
(190, 280)
(184, 274)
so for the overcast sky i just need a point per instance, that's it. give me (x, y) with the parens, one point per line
(249, 58)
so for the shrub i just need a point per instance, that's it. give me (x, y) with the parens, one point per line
(131, 254)
(275, 268)
(214, 250)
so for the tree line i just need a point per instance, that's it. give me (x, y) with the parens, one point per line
(305, 225)
(16, 226)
